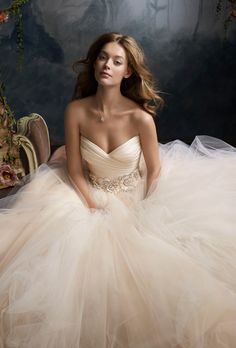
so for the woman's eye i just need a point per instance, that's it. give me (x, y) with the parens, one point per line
(117, 62)
(101, 57)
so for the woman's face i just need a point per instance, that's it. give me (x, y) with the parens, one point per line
(111, 65)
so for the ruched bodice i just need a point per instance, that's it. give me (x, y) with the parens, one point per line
(121, 161)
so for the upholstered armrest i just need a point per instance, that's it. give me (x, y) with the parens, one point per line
(29, 150)
(34, 128)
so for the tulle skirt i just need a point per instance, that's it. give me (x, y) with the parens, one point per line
(139, 272)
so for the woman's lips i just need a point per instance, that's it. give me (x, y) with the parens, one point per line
(104, 74)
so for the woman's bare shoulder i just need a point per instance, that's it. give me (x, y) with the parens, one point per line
(136, 109)
(79, 104)
(76, 109)
(141, 117)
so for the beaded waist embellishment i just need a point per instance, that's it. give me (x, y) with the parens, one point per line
(114, 185)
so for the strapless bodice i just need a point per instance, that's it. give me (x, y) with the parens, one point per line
(118, 170)
(121, 161)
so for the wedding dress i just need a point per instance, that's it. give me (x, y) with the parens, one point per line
(139, 272)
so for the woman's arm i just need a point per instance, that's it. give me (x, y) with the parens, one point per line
(150, 148)
(73, 154)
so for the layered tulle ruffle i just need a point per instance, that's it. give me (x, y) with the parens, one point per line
(138, 272)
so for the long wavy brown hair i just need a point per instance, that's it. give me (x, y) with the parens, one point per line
(139, 87)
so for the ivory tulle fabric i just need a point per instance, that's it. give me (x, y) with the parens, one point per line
(138, 272)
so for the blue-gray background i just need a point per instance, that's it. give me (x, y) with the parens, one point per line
(184, 46)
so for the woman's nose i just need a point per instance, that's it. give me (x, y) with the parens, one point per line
(108, 63)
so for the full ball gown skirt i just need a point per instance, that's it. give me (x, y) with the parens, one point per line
(137, 272)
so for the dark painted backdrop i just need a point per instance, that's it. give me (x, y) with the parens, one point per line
(184, 46)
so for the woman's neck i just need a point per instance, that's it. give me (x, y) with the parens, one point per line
(107, 98)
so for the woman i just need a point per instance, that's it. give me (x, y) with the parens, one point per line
(102, 248)
(117, 89)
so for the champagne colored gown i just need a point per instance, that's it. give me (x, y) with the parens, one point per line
(139, 272)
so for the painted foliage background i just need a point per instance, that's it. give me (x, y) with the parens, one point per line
(184, 45)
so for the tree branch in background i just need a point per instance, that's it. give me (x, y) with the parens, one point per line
(230, 7)
(15, 10)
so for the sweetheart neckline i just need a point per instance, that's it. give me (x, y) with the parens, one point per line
(108, 153)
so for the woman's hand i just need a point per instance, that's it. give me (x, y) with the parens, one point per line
(97, 208)
(94, 210)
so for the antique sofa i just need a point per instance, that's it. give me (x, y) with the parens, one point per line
(33, 137)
